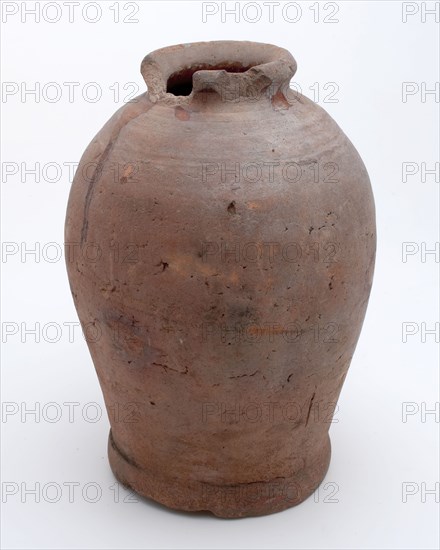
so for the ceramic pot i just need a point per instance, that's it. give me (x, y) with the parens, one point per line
(221, 241)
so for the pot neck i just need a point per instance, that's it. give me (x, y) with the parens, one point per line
(230, 70)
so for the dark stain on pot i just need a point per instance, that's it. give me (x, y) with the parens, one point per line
(163, 265)
(231, 208)
(243, 313)
(330, 285)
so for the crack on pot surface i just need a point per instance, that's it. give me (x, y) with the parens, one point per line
(243, 375)
(96, 173)
(166, 368)
(310, 408)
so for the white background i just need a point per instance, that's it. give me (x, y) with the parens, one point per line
(377, 449)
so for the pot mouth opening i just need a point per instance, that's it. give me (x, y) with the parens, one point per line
(180, 83)
(178, 73)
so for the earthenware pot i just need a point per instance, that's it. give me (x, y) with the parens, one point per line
(221, 240)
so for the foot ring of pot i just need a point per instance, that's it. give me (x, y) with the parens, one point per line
(225, 501)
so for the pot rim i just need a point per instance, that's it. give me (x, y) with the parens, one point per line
(223, 66)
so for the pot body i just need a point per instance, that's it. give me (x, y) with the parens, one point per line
(224, 250)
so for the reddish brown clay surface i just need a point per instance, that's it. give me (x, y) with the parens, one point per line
(224, 232)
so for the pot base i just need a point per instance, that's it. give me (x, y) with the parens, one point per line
(225, 501)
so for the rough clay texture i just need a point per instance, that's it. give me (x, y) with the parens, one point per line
(228, 302)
